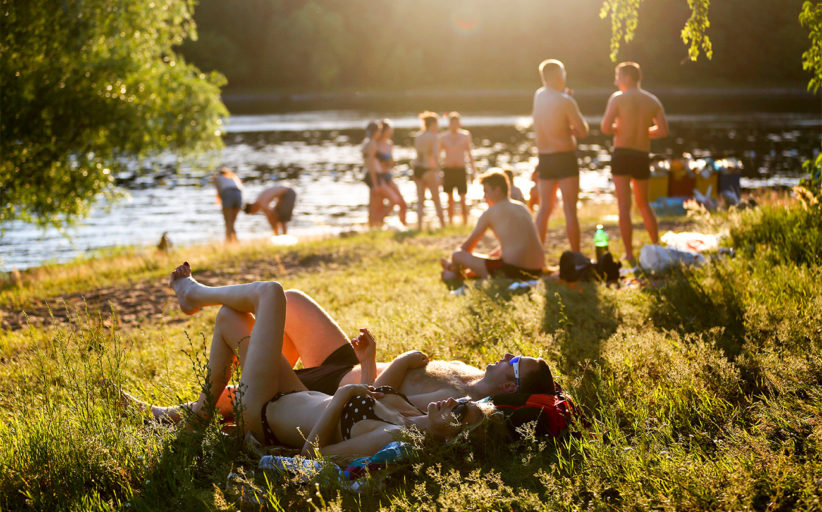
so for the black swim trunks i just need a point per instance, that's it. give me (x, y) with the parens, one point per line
(326, 377)
(631, 162)
(556, 166)
(498, 268)
(361, 407)
(285, 206)
(455, 178)
(419, 171)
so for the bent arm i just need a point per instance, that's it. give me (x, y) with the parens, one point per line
(396, 372)
(579, 127)
(476, 235)
(363, 445)
(324, 428)
(607, 125)
(660, 128)
(470, 156)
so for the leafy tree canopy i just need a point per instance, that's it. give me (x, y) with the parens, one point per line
(87, 86)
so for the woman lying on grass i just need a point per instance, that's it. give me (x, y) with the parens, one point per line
(276, 407)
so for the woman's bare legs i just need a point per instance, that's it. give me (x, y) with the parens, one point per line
(265, 370)
(230, 217)
(400, 201)
(429, 181)
(432, 183)
(420, 201)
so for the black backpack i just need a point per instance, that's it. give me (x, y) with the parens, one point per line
(574, 266)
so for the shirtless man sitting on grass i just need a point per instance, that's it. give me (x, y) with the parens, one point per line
(519, 256)
(330, 360)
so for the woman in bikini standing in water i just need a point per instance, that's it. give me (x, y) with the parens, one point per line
(384, 155)
(275, 405)
(376, 196)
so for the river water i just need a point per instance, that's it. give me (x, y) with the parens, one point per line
(317, 153)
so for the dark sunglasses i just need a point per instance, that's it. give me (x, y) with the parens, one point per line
(460, 411)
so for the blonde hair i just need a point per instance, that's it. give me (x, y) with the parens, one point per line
(551, 68)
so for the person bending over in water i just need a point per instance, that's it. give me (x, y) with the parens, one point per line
(277, 407)
(519, 256)
(427, 167)
(280, 214)
(230, 195)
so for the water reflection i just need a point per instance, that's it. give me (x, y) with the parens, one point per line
(317, 153)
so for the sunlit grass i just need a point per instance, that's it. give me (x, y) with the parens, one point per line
(703, 390)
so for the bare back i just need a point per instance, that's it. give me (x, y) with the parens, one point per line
(427, 145)
(455, 146)
(513, 226)
(634, 111)
(556, 119)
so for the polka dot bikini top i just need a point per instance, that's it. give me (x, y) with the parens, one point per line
(361, 407)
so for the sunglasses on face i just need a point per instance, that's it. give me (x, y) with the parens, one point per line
(514, 361)
(460, 411)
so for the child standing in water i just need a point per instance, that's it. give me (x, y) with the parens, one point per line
(230, 195)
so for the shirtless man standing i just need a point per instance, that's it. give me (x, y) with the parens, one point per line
(634, 116)
(457, 146)
(558, 124)
(426, 166)
(519, 256)
(280, 214)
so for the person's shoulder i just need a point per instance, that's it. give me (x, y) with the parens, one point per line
(651, 96)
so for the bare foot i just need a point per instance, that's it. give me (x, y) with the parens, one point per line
(182, 283)
(446, 264)
(123, 400)
(449, 275)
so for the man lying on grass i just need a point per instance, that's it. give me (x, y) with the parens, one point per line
(330, 360)
(519, 256)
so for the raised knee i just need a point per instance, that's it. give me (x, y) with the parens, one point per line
(272, 289)
(226, 314)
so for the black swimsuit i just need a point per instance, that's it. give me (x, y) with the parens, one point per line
(361, 407)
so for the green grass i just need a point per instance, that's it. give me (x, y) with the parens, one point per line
(704, 389)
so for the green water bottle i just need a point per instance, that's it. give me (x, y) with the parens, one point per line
(600, 242)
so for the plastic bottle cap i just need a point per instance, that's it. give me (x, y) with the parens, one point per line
(599, 226)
